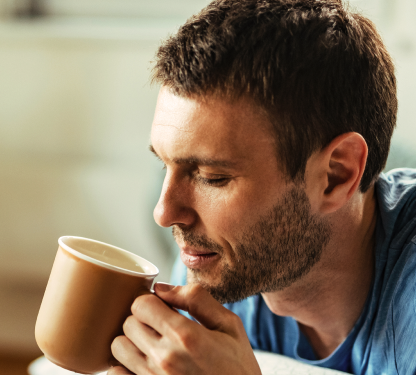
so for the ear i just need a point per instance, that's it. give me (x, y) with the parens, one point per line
(338, 169)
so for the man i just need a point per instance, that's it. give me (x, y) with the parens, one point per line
(274, 123)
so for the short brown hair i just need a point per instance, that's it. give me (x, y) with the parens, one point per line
(317, 68)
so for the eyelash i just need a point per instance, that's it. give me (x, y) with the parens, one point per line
(213, 181)
(208, 181)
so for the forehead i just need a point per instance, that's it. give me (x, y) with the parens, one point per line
(209, 127)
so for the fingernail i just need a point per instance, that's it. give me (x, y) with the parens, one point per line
(163, 287)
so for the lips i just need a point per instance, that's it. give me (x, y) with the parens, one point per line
(197, 259)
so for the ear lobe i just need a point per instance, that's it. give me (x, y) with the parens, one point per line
(345, 158)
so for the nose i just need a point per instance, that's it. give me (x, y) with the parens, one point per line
(175, 203)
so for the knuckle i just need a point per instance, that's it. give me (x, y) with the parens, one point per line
(137, 304)
(128, 323)
(195, 289)
(235, 320)
(186, 338)
(236, 323)
(167, 362)
(193, 295)
(117, 344)
(140, 302)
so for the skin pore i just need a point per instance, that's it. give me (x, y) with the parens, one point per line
(222, 186)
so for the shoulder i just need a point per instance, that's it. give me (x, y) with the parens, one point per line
(392, 317)
(404, 312)
(389, 330)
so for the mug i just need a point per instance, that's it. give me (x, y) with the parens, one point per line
(87, 299)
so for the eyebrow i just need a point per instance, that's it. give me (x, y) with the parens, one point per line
(198, 161)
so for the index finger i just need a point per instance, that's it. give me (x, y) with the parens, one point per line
(154, 312)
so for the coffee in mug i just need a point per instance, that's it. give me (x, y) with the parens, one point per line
(88, 297)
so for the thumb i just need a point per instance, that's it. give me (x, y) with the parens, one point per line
(197, 302)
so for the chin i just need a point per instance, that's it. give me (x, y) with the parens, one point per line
(203, 278)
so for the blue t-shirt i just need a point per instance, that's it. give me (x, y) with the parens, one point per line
(383, 340)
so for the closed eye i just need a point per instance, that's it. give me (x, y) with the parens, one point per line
(222, 181)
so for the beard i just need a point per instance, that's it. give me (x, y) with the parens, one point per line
(279, 249)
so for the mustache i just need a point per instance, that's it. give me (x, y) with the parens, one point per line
(196, 240)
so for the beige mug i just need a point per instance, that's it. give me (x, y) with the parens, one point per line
(88, 297)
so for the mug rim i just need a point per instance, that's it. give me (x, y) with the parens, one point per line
(100, 263)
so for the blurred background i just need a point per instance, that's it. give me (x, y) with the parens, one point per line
(75, 113)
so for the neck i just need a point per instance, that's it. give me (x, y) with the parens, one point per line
(328, 300)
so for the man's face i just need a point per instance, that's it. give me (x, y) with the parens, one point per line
(241, 227)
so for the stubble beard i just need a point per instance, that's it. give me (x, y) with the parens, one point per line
(279, 249)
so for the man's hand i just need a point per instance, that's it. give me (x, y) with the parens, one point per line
(158, 340)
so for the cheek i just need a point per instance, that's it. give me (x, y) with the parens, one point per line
(229, 211)
(226, 215)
